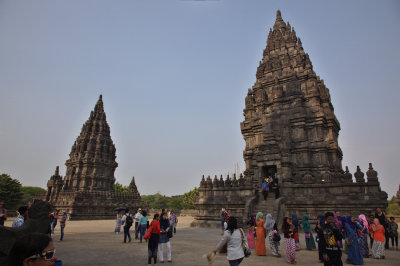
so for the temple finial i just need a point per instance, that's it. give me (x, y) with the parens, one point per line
(101, 97)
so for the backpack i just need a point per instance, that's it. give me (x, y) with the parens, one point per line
(276, 237)
(129, 220)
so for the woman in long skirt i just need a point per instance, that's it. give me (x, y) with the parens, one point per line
(295, 222)
(288, 231)
(354, 255)
(261, 234)
(378, 246)
(250, 236)
(275, 245)
(118, 223)
(310, 244)
(362, 220)
(269, 227)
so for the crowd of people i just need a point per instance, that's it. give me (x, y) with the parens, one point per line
(156, 233)
(335, 234)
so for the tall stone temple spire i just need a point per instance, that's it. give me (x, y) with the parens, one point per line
(91, 163)
(289, 122)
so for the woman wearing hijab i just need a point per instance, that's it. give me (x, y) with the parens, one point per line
(269, 227)
(378, 246)
(310, 244)
(289, 231)
(362, 220)
(250, 236)
(354, 255)
(261, 234)
(295, 222)
(320, 235)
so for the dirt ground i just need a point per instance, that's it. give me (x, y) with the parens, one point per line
(95, 243)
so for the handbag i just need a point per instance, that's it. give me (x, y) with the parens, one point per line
(224, 249)
(147, 235)
(245, 245)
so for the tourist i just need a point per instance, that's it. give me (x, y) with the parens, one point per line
(173, 220)
(143, 224)
(275, 188)
(370, 223)
(310, 244)
(295, 221)
(233, 239)
(251, 222)
(320, 235)
(339, 225)
(22, 217)
(378, 233)
(354, 254)
(118, 223)
(54, 218)
(331, 253)
(224, 215)
(32, 249)
(269, 228)
(393, 232)
(260, 236)
(3, 213)
(62, 224)
(289, 231)
(276, 240)
(363, 233)
(265, 187)
(138, 215)
(127, 221)
(152, 246)
(383, 221)
(165, 234)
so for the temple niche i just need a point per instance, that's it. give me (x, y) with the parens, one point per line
(87, 190)
(291, 133)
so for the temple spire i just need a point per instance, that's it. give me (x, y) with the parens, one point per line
(279, 23)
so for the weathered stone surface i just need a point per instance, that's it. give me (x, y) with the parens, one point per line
(291, 132)
(87, 191)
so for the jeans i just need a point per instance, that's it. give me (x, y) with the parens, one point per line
(62, 232)
(137, 229)
(235, 262)
(142, 228)
(126, 233)
(53, 226)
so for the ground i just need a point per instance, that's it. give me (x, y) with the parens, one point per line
(94, 243)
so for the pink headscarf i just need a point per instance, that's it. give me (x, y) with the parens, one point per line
(363, 219)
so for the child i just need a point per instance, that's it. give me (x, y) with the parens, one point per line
(394, 235)
(275, 243)
(378, 246)
(153, 241)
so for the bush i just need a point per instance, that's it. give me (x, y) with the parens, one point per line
(10, 191)
(393, 207)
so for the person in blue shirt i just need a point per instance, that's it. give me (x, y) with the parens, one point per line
(22, 217)
(265, 188)
(143, 225)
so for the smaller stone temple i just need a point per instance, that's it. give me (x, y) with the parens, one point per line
(87, 190)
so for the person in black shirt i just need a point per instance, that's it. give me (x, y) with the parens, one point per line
(331, 253)
(382, 220)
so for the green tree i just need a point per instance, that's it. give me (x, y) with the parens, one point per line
(393, 207)
(120, 188)
(29, 193)
(189, 197)
(10, 191)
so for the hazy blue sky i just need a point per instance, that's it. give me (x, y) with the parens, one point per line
(174, 75)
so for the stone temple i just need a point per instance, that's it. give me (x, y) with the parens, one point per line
(291, 132)
(87, 190)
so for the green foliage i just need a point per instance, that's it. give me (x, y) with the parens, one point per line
(179, 202)
(10, 191)
(29, 193)
(393, 207)
(120, 188)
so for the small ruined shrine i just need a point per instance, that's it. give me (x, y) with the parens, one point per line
(87, 191)
(291, 133)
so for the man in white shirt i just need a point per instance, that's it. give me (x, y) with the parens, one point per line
(138, 215)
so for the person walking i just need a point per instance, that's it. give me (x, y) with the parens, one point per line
(310, 244)
(378, 246)
(3, 213)
(54, 217)
(265, 188)
(289, 230)
(224, 215)
(233, 239)
(363, 233)
(393, 232)
(143, 225)
(22, 217)
(269, 227)
(164, 238)
(260, 236)
(127, 221)
(118, 223)
(173, 220)
(276, 240)
(354, 254)
(62, 224)
(152, 245)
(138, 215)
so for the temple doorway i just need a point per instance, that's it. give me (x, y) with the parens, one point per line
(268, 171)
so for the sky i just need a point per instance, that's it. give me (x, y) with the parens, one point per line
(174, 76)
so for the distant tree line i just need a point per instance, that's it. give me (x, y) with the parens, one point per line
(179, 202)
(393, 208)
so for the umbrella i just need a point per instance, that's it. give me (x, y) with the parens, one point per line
(120, 209)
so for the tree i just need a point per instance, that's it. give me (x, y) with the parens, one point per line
(10, 191)
(120, 188)
(29, 193)
(189, 197)
(393, 207)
